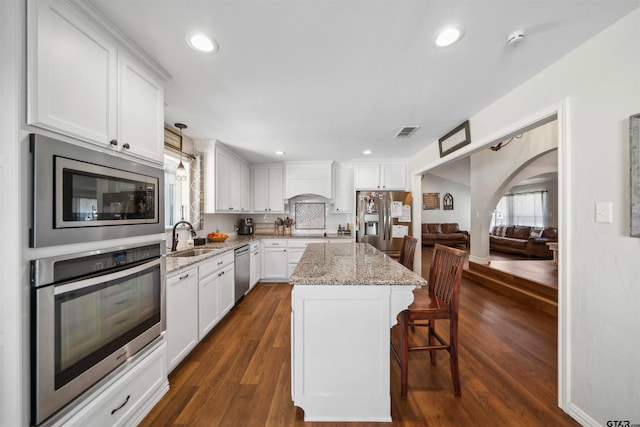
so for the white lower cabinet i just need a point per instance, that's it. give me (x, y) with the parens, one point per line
(275, 265)
(197, 299)
(182, 314)
(216, 291)
(255, 264)
(208, 304)
(227, 289)
(127, 398)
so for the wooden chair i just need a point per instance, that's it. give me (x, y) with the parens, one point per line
(408, 251)
(439, 300)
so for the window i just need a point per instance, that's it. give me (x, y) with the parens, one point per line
(521, 209)
(177, 194)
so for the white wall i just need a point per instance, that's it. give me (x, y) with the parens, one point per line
(601, 82)
(13, 359)
(461, 201)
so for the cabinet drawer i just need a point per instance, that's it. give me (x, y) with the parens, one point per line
(118, 403)
(275, 243)
(214, 264)
(255, 246)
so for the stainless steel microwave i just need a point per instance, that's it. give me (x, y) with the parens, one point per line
(82, 195)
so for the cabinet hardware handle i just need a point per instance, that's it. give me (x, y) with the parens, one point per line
(184, 277)
(230, 209)
(121, 406)
(113, 142)
(126, 146)
(220, 262)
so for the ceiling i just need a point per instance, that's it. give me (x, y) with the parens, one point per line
(327, 79)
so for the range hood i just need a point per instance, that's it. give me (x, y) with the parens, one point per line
(308, 178)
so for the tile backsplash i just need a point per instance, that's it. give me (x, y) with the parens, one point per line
(225, 222)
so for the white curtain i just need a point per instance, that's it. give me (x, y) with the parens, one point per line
(521, 209)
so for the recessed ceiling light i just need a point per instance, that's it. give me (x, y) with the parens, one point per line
(448, 36)
(202, 42)
(367, 152)
(280, 153)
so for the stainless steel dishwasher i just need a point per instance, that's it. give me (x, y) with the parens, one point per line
(242, 269)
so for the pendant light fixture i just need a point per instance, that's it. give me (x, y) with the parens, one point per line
(181, 171)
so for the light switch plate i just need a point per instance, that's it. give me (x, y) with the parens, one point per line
(604, 212)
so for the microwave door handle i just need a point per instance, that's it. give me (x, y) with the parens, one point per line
(106, 278)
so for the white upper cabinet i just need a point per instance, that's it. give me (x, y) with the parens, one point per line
(84, 84)
(226, 179)
(380, 176)
(343, 193)
(308, 178)
(268, 188)
(140, 111)
(229, 193)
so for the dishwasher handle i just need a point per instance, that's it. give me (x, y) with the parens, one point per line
(243, 250)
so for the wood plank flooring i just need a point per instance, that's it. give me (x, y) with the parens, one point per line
(240, 374)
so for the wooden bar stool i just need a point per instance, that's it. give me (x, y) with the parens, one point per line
(439, 300)
(408, 251)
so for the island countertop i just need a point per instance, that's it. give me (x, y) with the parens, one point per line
(350, 264)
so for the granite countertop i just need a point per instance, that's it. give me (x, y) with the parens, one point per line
(232, 243)
(350, 264)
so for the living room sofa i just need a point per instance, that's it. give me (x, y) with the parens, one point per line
(448, 234)
(523, 240)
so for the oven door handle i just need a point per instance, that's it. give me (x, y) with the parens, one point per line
(106, 278)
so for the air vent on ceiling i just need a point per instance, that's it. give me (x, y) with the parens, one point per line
(407, 131)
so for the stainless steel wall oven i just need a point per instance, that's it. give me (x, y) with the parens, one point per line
(90, 313)
(83, 195)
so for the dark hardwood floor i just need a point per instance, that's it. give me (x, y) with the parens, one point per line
(240, 374)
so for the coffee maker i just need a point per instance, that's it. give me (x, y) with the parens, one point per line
(246, 226)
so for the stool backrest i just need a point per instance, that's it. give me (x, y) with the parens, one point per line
(445, 274)
(408, 251)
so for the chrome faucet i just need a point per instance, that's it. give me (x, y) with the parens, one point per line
(174, 241)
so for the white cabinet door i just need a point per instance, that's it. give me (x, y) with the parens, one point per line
(223, 178)
(367, 176)
(261, 189)
(72, 74)
(256, 266)
(394, 176)
(275, 264)
(140, 112)
(343, 189)
(268, 189)
(245, 179)
(208, 304)
(227, 289)
(276, 189)
(182, 315)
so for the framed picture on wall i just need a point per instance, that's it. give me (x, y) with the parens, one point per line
(430, 201)
(455, 139)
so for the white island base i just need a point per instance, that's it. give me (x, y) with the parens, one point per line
(340, 337)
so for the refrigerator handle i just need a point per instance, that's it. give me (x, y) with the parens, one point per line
(389, 220)
(387, 216)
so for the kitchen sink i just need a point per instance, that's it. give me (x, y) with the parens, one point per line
(190, 253)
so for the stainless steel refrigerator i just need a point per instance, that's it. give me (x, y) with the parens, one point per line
(383, 218)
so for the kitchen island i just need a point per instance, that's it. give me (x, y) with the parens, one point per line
(345, 299)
